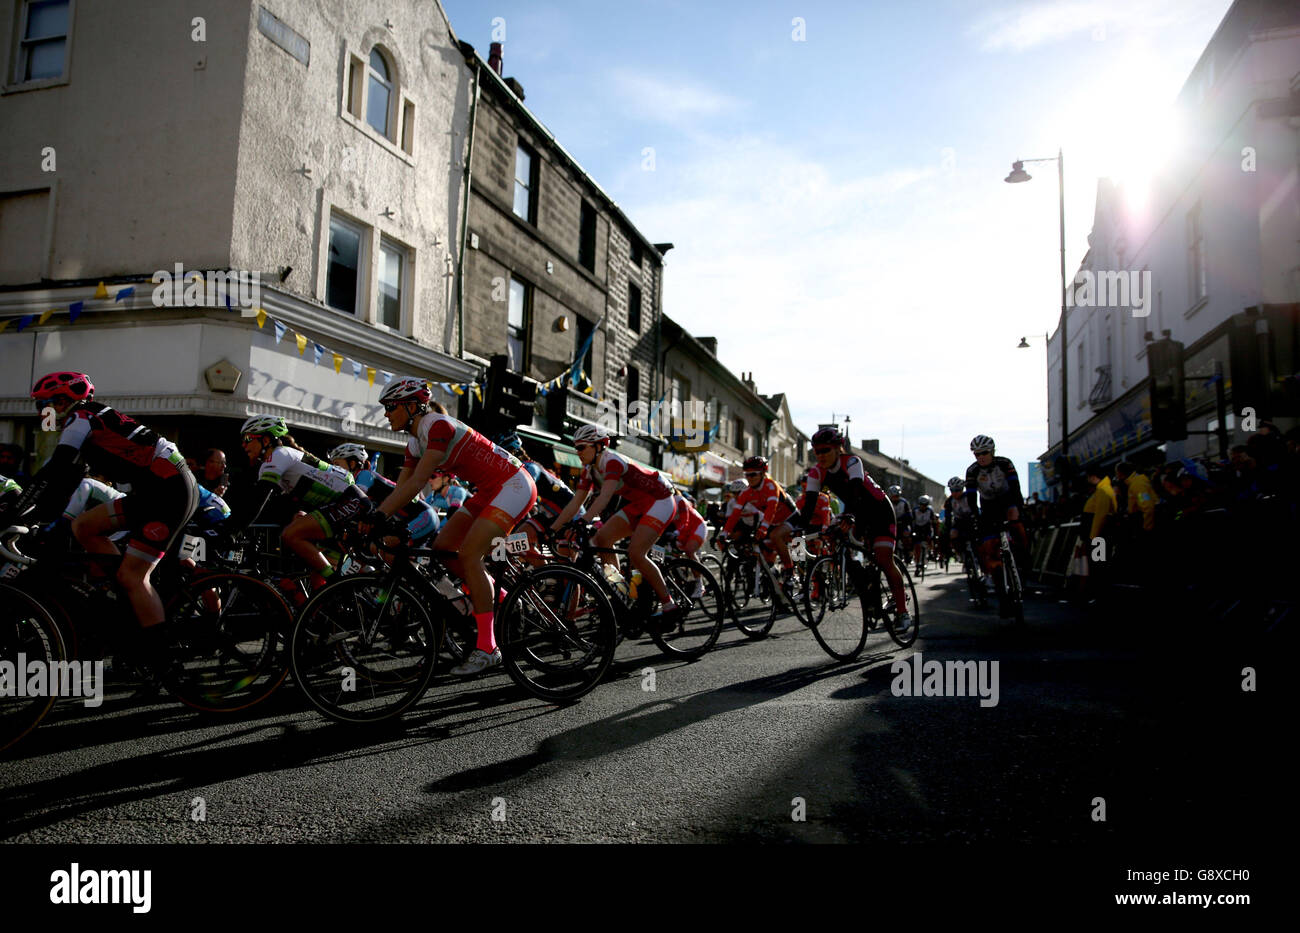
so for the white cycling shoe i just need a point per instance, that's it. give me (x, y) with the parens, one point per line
(478, 662)
(902, 622)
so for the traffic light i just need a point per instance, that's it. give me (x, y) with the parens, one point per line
(1168, 410)
(510, 396)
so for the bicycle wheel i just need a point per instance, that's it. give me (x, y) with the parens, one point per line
(890, 613)
(231, 643)
(364, 648)
(701, 609)
(712, 564)
(841, 632)
(1015, 593)
(557, 632)
(754, 622)
(28, 634)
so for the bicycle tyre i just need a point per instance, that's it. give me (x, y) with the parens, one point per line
(236, 658)
(699, 626)
(530, 639)
(25, 626)
(839, 632)
(906, 639)
(328, 642)
(739, 588)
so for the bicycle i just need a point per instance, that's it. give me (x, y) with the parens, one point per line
(832, 584)
(365, 647)
(753, 576)
(28, 633)
(1006, 581)
(687, 633)
(971, 565)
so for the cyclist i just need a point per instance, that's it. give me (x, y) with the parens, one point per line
(775, 505)
(649, 508)
(902, 516)
(690, 528)
(444, 493)
(993, 493)
(553, 494)
(163, 495)
(864, 503)
(421, 518)
(821, 516)
(923, 522)
(505, 494)
(730, 504)
(326, 494)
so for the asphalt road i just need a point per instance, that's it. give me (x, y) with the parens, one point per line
(1126, 706)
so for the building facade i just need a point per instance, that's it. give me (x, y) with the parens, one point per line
(308, 157)
(1218, 233)
(556, 276)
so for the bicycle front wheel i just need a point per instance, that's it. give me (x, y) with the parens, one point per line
(557, 632)
(364, 648)
(231, 648)
(701, 609)
(28, 633)
(755, 621)
(904, 639)
(839, 627)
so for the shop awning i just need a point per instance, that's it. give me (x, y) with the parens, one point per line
(567, 456)
(564, 454)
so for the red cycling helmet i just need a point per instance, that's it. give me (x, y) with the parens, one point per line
(755, 463)
(76, 386)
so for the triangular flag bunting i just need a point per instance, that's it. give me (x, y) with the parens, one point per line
(388, 377)
(338, 361)
(45, 315)
(478, 394)
(370, 375)
(279, 330)
(459, 390)
(4, 324)
(74, 311)
(25, 320)
(302, 343)
(101, 292)
(261, 317)
(319, 352)
(124, 294)
(356, 370)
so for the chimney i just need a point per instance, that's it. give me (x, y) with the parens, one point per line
(872, 446)
(494, 57)
(710, 344)
(515, 86)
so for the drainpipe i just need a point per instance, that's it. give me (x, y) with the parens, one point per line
(464, 222)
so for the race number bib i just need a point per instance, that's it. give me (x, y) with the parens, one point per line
(657, 553)
(517, 543)
(798, 549)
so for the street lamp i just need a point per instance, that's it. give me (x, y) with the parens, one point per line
(1018, 175)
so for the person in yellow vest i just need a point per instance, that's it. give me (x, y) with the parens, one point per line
(1142, 498)
(1097, 519)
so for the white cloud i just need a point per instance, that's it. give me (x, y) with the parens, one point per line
(669, 101)
(1034, 24)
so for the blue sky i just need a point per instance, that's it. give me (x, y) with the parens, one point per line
(837, 205)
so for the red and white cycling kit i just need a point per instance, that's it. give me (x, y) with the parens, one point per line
(821, 511)
(770, 498)
(504, 492)
(649, 498)
(862, 498)
(689, 525)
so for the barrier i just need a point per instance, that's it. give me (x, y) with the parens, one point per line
(1050, 554)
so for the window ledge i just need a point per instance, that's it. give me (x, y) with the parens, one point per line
(38, 85)
(1201, 303)
(368, 131)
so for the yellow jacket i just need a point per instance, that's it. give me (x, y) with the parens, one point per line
(1142, 498)
(1100, 505)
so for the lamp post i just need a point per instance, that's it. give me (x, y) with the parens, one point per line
(1018, 175)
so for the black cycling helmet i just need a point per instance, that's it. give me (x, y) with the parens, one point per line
(755, 463)
(830, 436)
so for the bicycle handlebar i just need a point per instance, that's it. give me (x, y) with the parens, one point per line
(12, 533)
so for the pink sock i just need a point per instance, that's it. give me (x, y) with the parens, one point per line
(486, 637)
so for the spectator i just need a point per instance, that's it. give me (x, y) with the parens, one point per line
(1140, 497)
(214, 477)
(1098, 517)
(11, 463)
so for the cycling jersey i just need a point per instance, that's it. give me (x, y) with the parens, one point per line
(212, 509)
(552, 493)
(119, 447)
(997, 486)
(467, 453)
(957, 512)
(641, 488)
(770, 499)
(453, 497)
(310, 481)
(923, 520)
(688, 523)
(9, 489)
(862, 498)
(821, 516)
(903, 513)
(421, 519)
(748, 515)
(90, 494)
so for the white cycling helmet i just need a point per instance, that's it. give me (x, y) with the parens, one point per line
(591, 434)
(895, 490)
(956, 483)
(982, 443)
(271, 425)
(924, 500)
(737, 486)
(405, 389)
(349, 452)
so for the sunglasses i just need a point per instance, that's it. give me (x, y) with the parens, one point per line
(581, 447)
(392, 406)
(823, 450)
(752, 475)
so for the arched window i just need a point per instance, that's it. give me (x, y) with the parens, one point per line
(380, 94)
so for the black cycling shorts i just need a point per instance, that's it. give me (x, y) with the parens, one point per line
(350, 505)
(156, 513)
